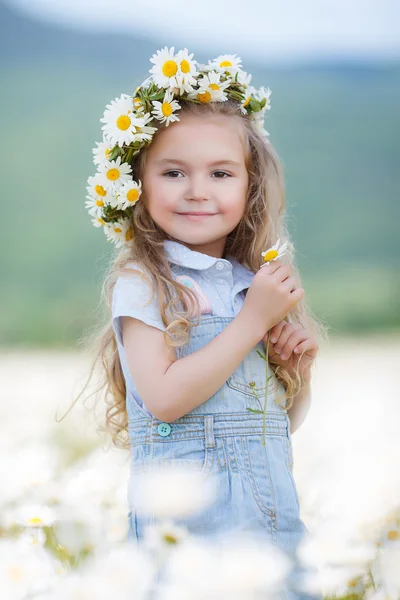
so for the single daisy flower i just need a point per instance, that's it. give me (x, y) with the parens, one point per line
(211, 88)
(98, 222)
(243, 78)
(274, 252)
(259, 124)
(119, 232)
(95, 206)
(114, 173)
(96, 187)
(230, 63)
(262, 94)
(186, 77)
(36, 516)
(120, 121)
(128, 194)
(164, 535)
(102, 152)
(165, 111)
(166, 67)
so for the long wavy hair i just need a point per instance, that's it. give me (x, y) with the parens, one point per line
(262, 224)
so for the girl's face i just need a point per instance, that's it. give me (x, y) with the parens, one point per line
(197, 165)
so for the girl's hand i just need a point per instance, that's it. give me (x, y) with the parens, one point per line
(291, 337)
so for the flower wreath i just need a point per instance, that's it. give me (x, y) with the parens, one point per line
(129, 127)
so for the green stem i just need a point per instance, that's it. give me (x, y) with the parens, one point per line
(266, 392)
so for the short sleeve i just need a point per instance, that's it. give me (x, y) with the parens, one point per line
(131, 295)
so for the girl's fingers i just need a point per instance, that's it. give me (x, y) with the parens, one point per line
(276, 330)
(287, 331)
(296, 338)
(309, 345)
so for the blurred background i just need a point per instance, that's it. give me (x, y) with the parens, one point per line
(334, 71)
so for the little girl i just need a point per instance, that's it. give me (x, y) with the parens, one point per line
(191, 192)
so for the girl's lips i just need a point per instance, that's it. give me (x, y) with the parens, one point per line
(196, 216)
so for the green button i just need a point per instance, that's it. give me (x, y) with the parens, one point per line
(164, 429)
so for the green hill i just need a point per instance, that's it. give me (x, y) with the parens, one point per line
(336, 128)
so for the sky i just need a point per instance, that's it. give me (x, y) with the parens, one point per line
(257, 29)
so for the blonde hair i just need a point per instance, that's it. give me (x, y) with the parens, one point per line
(262, 224)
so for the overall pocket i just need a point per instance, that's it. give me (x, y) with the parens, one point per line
(191, 453)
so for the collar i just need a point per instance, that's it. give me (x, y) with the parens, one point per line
(180, 254)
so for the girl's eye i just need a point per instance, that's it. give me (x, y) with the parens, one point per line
(169, 172)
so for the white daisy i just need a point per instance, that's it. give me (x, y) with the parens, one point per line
(114, 173)
(211, 88)
(187, 74)
(96, 187)
(165, 111)
(262, 94)
(143, 131)
(243, 78)
(128, 194)
(259, 124)
(274, 252)
(95, 206)
(102, 152)
(120, 121)
(98, 222)
(230, 63)
(119, 232)
(36, 516)
(160, 537)
(166, 68)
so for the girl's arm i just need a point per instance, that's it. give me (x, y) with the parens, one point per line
(170, 388)
(300, 407)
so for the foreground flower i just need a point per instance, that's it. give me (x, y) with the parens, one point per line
(184, 491)
(238, 567)
(274, 252)
(35, 516)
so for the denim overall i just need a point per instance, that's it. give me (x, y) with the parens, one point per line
(257, 491)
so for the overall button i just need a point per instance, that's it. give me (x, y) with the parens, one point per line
(164, 429)
(219, 266)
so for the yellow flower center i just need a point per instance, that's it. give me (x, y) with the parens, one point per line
(137, 102)
(204, 97)
(123, 122)
(246, 101)
(35, 521)
(100, 220)
(112, 174)
(270, 255)
(225, 63)
(99, 202)
(100, 191)
(166, 109)
(185, 66)
(107, 151)
(170, 539)
(169, 68)
(132, 195)
(129, 235)
(214, 86)
(117, 230)
(393, 535)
